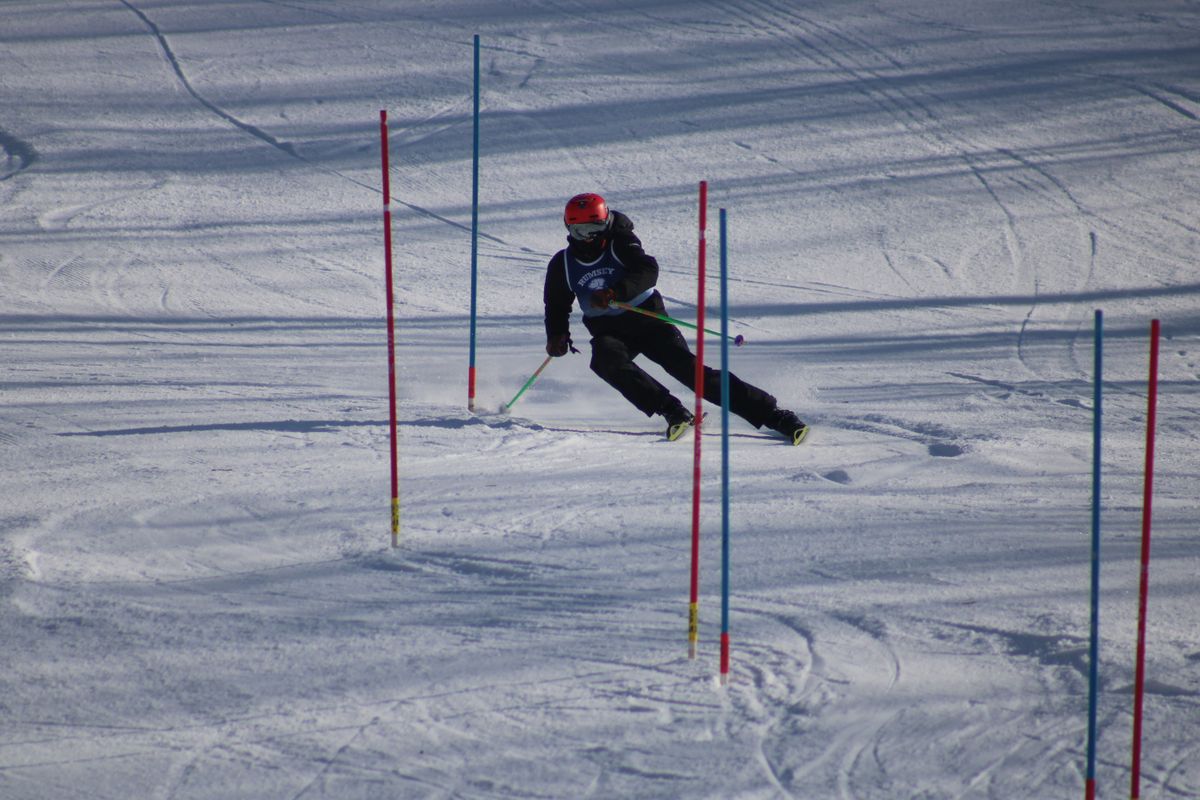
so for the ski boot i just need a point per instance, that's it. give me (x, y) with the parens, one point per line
(789, 425)
(679, 419)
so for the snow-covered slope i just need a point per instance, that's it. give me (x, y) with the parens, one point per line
(926, 203)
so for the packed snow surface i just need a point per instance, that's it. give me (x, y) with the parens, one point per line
(926, 203)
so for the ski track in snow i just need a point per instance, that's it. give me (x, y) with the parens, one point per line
(915, 114)
(177, 68)
(285, 147)
(18, 155)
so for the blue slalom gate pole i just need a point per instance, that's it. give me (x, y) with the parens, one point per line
(724, 458)
(1094, 648)
(474, 232)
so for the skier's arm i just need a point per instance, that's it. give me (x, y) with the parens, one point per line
(641, 269)
(558, 298)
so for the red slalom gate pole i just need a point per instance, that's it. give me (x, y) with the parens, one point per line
(694, 604)
(1144, 591)
(391, 325)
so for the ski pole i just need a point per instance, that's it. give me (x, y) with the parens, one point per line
(738, 340)
(528, 383)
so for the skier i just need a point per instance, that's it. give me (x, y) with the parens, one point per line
(604, 262)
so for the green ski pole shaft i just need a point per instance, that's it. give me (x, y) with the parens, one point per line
(738, 340)
(528, 383)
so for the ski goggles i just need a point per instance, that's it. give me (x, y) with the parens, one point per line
(586, 231)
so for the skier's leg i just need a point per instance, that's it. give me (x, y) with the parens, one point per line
(613, 361)
(667, 348)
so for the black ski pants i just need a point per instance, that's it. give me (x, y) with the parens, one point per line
(618, 340)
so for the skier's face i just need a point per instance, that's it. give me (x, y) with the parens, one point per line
(586, 231)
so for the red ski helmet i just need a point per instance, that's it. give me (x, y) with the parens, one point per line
(585, 216)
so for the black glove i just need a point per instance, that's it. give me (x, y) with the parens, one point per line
(602, 298)
(557, 344)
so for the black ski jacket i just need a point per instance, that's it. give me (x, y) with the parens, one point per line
(641, 273)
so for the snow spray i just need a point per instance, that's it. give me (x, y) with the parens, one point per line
(505, 408)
